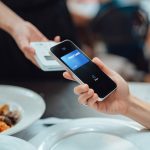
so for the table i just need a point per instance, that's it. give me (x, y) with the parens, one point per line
(62, 103)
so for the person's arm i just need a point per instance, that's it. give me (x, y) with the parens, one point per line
(22, 32)
(139, 111)
(121, 101)
(8, 19)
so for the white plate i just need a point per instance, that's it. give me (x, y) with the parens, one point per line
(12, 143)
(87, 134)
(28, 103)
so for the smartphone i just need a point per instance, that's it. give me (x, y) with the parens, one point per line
(82, 68)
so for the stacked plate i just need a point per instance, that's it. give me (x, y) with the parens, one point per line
(89, 133)
(23, 101)
(12, 143)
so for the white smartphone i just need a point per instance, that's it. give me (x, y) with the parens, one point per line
(82, 68)
(43, 57)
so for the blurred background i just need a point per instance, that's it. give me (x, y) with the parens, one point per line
(117, 31)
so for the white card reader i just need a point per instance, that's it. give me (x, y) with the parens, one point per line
(43, 57)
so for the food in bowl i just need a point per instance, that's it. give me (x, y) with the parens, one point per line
(8, 117)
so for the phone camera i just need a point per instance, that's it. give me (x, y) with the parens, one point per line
(64, 48)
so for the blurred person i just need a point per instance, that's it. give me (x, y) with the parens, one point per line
(22, 22)
(123, 26)
(83, 12)
(121, 101)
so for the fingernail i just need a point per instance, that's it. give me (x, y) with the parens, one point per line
(85, 86)
(90, 91)
(99, 100)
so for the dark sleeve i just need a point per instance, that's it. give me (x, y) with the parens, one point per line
(27, 4)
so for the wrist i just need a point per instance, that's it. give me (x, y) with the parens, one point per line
(139, 111)
(12, 27)
(130, 104)
(8, 18)
(126, 105)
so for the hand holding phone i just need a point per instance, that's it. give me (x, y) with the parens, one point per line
(82, 68)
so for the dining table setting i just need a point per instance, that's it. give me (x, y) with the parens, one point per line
(50, 118)
(40, 110)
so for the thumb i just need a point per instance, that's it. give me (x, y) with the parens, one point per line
(57, 39)
(102, 66)
(24, 45)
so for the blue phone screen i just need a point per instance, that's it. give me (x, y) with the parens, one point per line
(75, 59)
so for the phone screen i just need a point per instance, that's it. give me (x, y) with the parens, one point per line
(79, 64)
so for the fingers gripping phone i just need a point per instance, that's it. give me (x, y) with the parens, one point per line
(82, 68)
